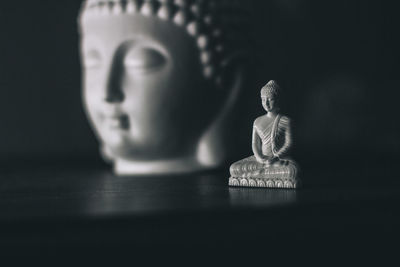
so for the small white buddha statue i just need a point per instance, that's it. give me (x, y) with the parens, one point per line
(160, 80)
(270, 165)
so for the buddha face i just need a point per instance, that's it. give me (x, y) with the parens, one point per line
(269, 103)
(143, 86)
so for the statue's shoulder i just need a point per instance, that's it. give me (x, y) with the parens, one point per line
(258, 121)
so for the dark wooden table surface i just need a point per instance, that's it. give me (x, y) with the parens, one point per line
(53, 208)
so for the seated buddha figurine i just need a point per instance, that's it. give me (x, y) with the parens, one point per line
(161, 79)
(270, 165)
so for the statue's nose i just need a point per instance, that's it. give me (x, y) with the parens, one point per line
(114, 96)
(113, 90)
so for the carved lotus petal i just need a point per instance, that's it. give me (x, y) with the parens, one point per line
(234, 182)
(244, 182)
(270, 183)
(261, 183)
(288, 184)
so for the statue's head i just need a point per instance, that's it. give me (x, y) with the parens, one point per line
(158, 78)
(270, 96)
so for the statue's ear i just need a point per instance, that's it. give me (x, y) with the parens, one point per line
(215, 145)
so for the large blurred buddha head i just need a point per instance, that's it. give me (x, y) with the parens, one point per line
(160, 78)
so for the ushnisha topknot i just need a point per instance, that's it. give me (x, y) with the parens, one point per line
(219, 27)
(271, 89)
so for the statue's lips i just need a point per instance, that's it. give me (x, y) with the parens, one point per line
(117, 121)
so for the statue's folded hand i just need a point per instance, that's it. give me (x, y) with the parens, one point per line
(270, 161)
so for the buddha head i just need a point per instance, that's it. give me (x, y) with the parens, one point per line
(160, 78)
(270, 96)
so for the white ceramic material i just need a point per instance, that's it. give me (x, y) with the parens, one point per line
(270, 165)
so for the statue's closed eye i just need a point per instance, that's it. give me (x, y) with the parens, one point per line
(144, 59)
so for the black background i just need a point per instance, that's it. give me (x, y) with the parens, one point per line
(338, 62)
